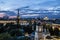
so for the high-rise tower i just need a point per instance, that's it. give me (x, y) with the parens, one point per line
(18, 18)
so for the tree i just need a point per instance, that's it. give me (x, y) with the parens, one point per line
(4, 36)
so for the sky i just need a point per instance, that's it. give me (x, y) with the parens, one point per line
(33, 4)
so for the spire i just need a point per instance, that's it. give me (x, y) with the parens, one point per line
(18, 17)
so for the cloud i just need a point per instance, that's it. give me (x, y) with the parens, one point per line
(34, 4)
(30, 15)
(12, 17)
(2, 14)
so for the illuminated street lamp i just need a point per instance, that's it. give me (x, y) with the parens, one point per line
(26, 34)
(59, 29)
(53, 27)
(40, 29)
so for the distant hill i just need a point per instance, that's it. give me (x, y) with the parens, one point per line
(10, 13)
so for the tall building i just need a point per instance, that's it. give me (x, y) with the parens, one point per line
(18, 18)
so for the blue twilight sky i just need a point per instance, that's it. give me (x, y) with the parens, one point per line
(33, 4)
